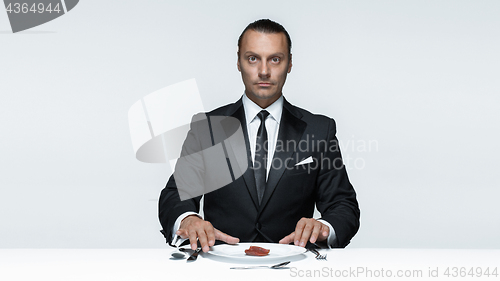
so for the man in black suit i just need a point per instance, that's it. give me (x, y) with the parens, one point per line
(273, 201)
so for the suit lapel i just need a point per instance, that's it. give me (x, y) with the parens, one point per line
(290, 131)
(238, 112)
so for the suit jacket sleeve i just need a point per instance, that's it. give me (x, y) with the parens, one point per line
(170, 206)
(335, 196)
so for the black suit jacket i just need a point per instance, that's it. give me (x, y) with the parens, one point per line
(291, 191)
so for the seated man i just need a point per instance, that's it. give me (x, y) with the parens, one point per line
(272, 201)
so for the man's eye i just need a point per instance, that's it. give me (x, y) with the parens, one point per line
(276, 60)
(252, 59)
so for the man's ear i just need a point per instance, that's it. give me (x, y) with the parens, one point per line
(238, 63)
(290, 64)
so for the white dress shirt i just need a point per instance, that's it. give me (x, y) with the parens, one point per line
(272, 126)
(253, 123)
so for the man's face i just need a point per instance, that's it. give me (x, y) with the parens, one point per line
(264, 63)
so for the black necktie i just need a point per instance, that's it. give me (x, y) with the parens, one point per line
(260, 162)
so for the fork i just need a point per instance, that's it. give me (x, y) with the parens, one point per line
(318, 255)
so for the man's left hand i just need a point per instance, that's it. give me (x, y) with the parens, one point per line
(307, 229)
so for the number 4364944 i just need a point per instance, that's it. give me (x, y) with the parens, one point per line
(25, 8)
(473, 271)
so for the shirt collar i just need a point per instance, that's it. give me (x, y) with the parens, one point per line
(252, 109)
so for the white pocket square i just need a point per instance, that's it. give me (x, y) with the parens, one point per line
(305, 161)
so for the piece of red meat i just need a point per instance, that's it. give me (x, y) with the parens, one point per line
(257, 251)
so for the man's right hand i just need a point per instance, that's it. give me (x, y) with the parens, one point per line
(194, 228)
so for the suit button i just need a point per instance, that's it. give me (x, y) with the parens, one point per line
(258, 225)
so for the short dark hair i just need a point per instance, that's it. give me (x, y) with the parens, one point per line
(266, 26)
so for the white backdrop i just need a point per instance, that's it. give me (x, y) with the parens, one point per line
(417, 82)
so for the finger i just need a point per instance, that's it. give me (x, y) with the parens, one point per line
(210, 235)
(315, 233)
(202, 237)
(298, 231)
(182, 233)
(326, 231)
(219, 235)
(306, 233)
(287, 239)
(193, 237)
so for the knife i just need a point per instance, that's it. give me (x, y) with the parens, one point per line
(194, 256)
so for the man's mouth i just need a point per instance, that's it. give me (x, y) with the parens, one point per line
(264, 84)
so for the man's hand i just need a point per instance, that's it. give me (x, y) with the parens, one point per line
(193, 227)
(307, 229)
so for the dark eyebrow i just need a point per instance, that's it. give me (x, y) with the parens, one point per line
(277, 55)
(249, 53)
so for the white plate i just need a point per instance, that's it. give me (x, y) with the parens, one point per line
(237, 252)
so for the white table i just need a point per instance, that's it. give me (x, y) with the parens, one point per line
(157, 264)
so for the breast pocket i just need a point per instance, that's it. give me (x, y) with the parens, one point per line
(301, 167)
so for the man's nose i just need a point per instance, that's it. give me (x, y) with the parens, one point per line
(264, 71)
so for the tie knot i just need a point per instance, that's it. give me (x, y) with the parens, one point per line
(263, 115)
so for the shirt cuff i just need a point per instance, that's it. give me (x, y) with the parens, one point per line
(176, 239)
(332, 237)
